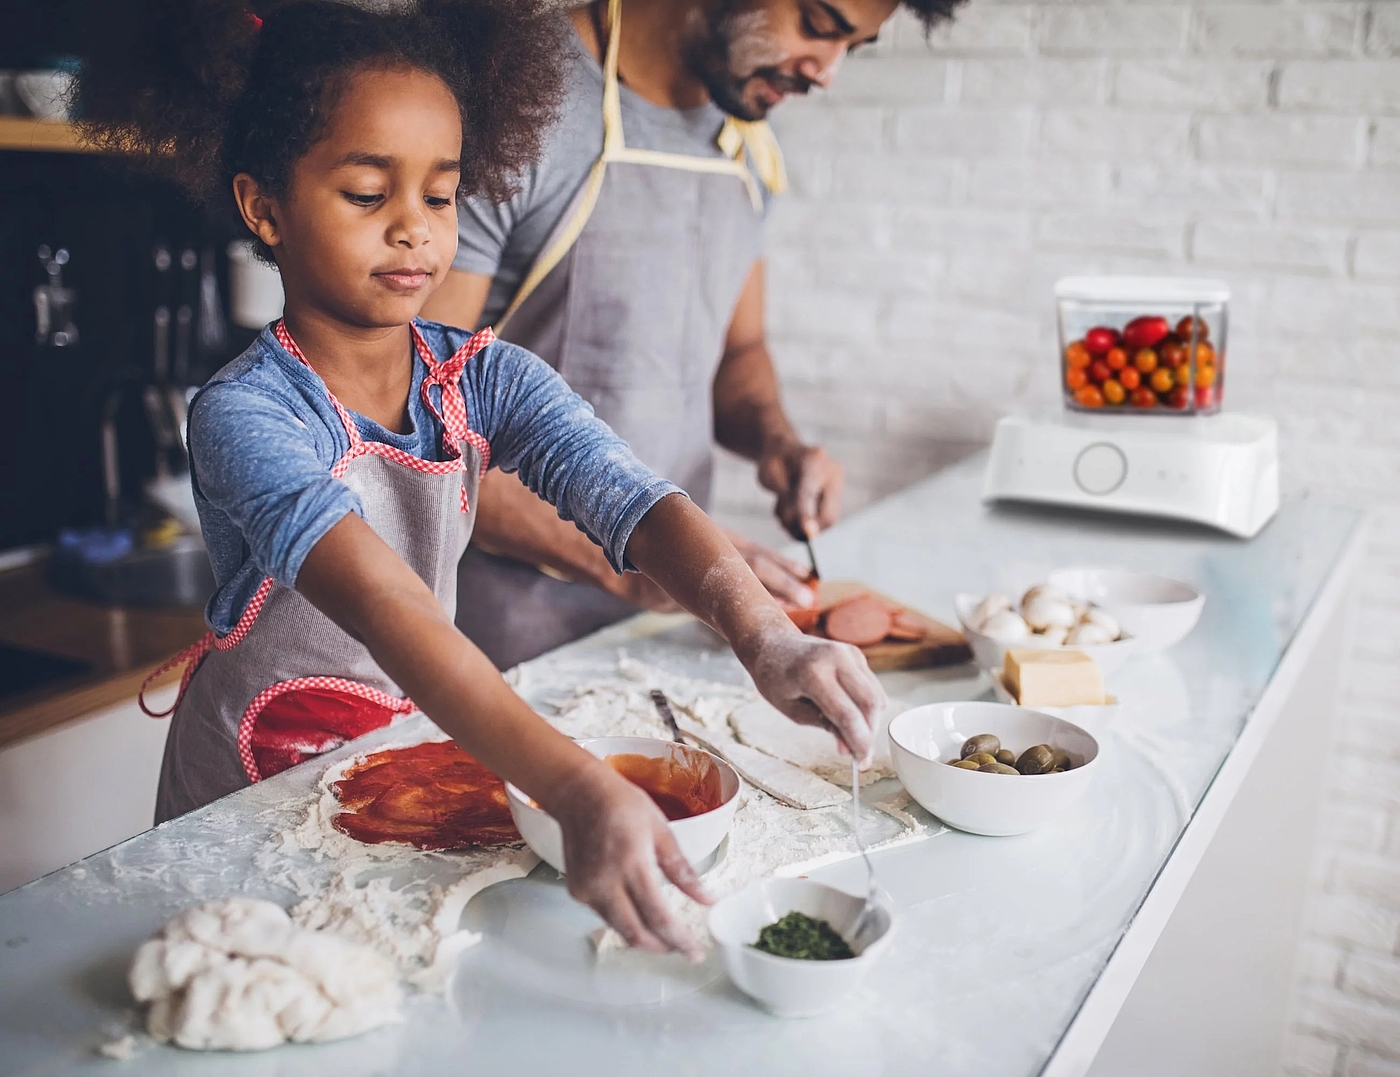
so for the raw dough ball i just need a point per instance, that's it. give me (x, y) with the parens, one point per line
(986, 609)
(1006, 626)
(238, 975)
(1045, 607)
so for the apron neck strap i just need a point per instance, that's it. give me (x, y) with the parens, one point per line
(612, 96)
(284, 338)
(447, 376)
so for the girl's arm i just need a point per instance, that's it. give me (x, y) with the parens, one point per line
(615, 838)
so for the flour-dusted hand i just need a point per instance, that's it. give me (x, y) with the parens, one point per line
(817, 682)
(617, 847)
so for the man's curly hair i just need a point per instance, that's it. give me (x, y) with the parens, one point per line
(201, 90)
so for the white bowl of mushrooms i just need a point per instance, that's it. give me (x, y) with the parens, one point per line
(1045, 616)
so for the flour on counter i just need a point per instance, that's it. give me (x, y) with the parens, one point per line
(761, 725)
(122, 1049)
(402, 902)
(238, 975)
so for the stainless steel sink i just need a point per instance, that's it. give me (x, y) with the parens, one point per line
(174, 575)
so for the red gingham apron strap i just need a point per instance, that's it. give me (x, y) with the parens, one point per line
(447, 375)
(189, 658)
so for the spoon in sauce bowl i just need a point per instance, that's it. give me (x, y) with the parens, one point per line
(865, 917)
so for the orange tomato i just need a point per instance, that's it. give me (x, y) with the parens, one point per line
(1130, 378)
(1205, 376)
(1162, 379)
(1145, 360)
(1116, 358)
(1091, 396)
(1076, 377)
(1183, 375)
(1114, 392)
(1204, 353)
(1077, 354)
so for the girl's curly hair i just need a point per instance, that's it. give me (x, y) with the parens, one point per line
(201, 90)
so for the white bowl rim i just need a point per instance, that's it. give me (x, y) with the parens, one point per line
(514, 792)
(839, 962)
(1195, 593)
(1006, 707)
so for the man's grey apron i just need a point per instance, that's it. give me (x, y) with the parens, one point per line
(288, 683)
(630, 300)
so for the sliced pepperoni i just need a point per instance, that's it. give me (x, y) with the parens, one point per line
(906, 629)
(861, 621)
(805, 619)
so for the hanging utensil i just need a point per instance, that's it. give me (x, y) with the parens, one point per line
(873, 890)
(211, 333)
(663, 708)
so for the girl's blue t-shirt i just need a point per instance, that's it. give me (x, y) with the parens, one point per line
(263, 437)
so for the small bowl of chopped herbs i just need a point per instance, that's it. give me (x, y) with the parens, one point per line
(786, 943)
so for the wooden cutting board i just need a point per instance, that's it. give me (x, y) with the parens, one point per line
(941, 645)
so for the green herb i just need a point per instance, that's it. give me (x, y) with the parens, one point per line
(804, 937)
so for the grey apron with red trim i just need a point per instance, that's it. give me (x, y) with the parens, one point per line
(630, 301)
(288, 683)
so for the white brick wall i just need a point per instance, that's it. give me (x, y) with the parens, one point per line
(942, 187)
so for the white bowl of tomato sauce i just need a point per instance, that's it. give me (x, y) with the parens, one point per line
(696, 790)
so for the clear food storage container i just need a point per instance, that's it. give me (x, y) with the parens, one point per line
(1143, 344)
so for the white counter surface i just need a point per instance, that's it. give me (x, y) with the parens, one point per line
(1013, 956)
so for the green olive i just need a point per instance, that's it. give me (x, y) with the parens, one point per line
(1006, 756)
(1058, 770)
(963, 764)
(983, 742)
(1037, 759)
(981, 758)
(996, 768)
(1062, 759)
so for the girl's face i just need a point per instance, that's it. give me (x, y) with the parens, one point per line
(367, 228)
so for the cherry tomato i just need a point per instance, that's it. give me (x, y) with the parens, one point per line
(1205, 396)
(1183, 375)
(1116, 358)
(1205, 376)
(1181, 396)
(1204, 353)
(1077, 354)
(1162, 379)
(1146, 332)
(1173, 353)
(1183, 328)
(1130, 377)
(1076, 377)
(1114, 392)
(1143, 397)
(1145, 360)
(1091, 396)
(1099, 339)
(1100, 371)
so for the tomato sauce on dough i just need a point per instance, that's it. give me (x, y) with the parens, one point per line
(681, 785)
(431, 796)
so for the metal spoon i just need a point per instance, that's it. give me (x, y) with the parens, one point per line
(868, 909)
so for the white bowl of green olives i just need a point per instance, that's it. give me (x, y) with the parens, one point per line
(1035, 768)
(797, 986)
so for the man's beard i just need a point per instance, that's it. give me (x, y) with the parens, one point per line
(712, 58)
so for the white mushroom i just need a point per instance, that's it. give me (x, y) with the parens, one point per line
(1087, 633)
(1055, 634)
(983, 612)
(1044, 607)
(1103, 619)
(1006, 626)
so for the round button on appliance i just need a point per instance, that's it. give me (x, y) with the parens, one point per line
(1100, 468)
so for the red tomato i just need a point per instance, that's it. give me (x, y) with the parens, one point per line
(1100, 371)
(1183, 329)
(1116, 358)
(1146, 332)
(1076, 377)
(1130, 377)
(1173, 353)
(1091, 396)
(1205, 396)
(1143, 397)
(1181, 396)
(1099, 339)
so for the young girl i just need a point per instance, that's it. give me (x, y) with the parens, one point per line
(335, 463)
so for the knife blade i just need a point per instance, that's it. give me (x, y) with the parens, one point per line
(663, 708)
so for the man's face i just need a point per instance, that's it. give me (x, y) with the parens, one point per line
(750, 54)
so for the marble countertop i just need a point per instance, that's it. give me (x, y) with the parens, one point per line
(1013, 953)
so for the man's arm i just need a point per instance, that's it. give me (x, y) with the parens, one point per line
(750, 420)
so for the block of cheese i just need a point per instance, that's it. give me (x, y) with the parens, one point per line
(1052, 678)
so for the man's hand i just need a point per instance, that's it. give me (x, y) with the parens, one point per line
(787, 581)
(809, 484)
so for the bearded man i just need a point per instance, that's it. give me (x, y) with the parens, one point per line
(632, 261)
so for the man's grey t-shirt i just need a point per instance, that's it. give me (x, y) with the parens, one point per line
(503, 241)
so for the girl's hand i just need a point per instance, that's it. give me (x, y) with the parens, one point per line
(615, 840)
(817, 682)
